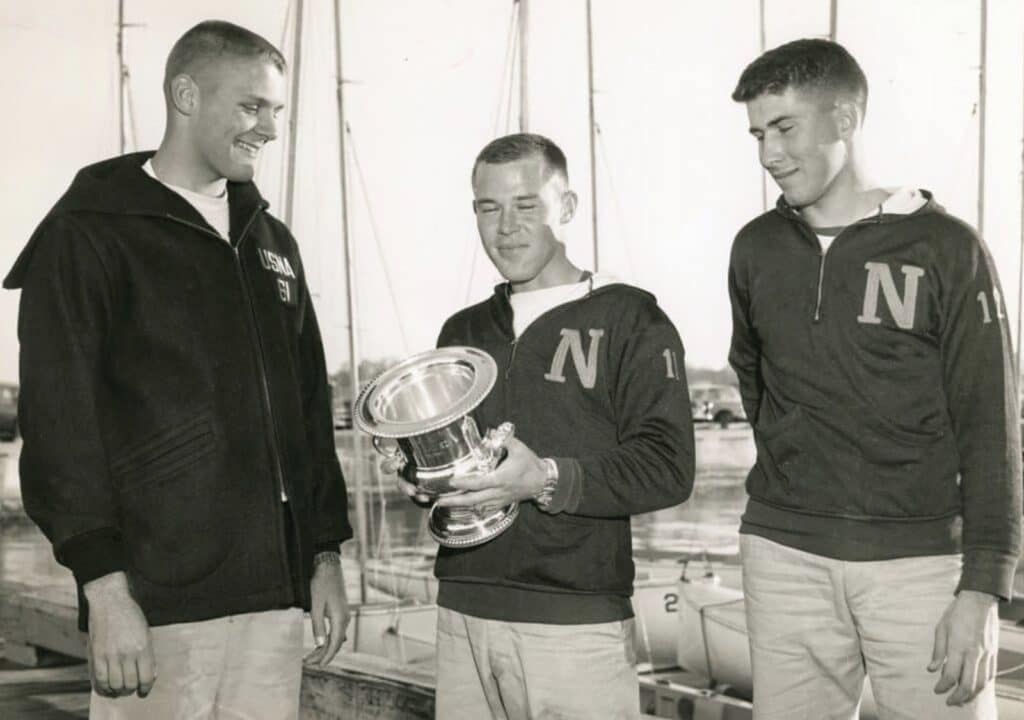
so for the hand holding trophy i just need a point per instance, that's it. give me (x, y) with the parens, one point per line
(418, 413)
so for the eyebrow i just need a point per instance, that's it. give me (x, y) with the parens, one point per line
(517, 198)
(262, 101)
(771, 123)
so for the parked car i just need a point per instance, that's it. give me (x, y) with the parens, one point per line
(716, 403)
(8, 412)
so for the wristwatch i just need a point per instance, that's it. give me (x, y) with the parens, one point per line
(547, 492)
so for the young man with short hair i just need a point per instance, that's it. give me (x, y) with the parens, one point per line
(869, 338)
(537, 622)
(178, 446)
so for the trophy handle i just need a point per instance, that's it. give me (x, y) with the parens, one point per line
(394, 459)
(493, 445)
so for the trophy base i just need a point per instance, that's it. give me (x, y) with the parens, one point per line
(463, 527)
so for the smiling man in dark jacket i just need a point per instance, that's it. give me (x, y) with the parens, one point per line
(870, 341)
(538, 621)
(178, 448)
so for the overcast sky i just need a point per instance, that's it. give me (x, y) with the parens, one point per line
(425, 88)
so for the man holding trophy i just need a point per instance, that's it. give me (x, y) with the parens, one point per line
(537, 620)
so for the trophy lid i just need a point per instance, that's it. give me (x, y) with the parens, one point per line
(425, 392)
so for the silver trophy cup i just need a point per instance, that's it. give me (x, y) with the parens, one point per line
(418, 412)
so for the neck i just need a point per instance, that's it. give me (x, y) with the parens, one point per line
(849, 197)
(176, 163)
(557, 272)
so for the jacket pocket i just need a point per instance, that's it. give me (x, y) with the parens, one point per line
(795, 469)
(866, 468)
(779, 443)
(172, 501)
(164, 454)
(887, 443)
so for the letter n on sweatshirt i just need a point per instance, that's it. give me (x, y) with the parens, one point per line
(586, 367)
(880, 279)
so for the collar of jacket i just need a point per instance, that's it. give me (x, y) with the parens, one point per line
(501, 307)
(791, 213)
(504, 290)
(119, 186)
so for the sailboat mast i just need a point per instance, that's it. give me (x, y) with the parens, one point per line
(1020, 267)
(982, 72)
(833, 19)
(524, 14)
(762, 40)
(293, 115)
(120, 76)
(593, 135)
(350, 306)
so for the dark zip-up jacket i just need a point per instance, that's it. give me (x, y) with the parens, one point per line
(879, 381)
(172, 385)
(599, 385)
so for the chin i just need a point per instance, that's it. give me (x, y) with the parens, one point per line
(798, 200)
(241, 173)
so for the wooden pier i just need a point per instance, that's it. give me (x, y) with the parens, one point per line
(43, 675)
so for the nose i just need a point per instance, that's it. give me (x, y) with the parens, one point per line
(771, 151)
(506, 223)
(266, 124)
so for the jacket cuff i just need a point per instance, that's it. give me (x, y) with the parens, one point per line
(569, 489)
(329, 546)
(988, 571)
(93, 555)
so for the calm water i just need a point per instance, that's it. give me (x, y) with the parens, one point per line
(706, 523)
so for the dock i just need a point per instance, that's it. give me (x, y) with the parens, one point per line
(43, 675)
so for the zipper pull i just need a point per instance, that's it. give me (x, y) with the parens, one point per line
(511, 358)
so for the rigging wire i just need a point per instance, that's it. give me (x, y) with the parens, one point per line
(1020, 274)
(376, 237)
(129, 98)
(616, 201)
(505, 93)
(511, 90)
(506, 68)
(283, 166)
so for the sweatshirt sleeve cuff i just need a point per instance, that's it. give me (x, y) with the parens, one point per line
(569, 490)
(93, 555)
(988, 571)
(330, 546)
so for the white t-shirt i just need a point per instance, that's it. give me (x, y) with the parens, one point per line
(213, 209)
(529, 305)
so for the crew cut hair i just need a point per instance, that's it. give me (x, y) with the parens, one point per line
(809, 64)
(213, 39)
(523, 145)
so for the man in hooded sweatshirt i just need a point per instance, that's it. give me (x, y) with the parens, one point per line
(537, 622)
(870, 341)
(178, 446)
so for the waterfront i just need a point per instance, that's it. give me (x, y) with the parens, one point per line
(707, 523)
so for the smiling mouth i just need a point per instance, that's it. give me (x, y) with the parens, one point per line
(783, 175)
(251, 149)
(511, 249)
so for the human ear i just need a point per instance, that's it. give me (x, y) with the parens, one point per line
(184, 94)
(847, 118)
(569, 202)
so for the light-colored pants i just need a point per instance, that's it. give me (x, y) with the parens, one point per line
(520, 671)
(243, 667)
(817, 624)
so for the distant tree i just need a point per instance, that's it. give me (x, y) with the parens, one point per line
(722, 376)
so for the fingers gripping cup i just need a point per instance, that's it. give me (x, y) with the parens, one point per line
(418, 412)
